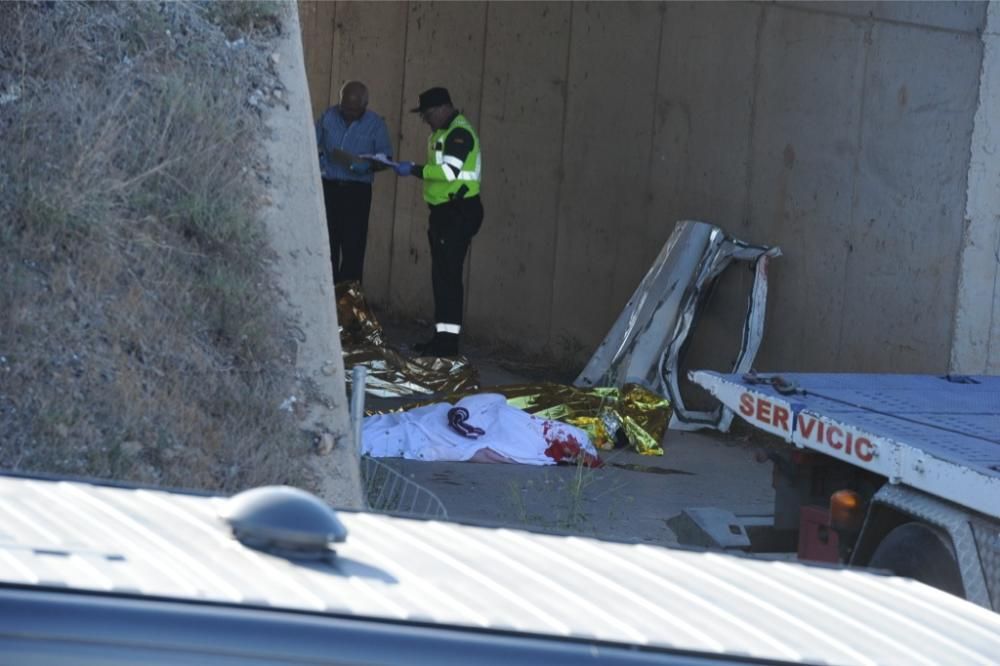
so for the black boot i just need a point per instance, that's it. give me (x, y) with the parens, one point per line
(445, 344)
(425, 347)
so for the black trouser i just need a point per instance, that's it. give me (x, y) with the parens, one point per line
(452, 226)
(347, 206)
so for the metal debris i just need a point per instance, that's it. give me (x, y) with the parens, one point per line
(645, 343)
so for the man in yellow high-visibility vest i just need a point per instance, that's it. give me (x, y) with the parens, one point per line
(451, 189)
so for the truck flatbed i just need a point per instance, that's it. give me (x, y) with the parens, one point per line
(938, 434)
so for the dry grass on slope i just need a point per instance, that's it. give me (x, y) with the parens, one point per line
(139, 337)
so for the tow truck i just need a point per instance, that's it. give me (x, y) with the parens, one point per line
(897, 472)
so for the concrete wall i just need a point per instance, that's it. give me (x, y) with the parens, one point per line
(840, 131)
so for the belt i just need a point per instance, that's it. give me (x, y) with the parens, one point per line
(455, 202)
(347, 183)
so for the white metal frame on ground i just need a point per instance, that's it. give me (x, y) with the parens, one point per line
(646, 341)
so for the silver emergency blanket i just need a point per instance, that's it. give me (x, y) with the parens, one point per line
(644, 344)
(390, 374)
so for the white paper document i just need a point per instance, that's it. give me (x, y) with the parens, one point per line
(380, 158)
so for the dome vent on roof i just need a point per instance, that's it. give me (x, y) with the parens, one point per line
(284, 521)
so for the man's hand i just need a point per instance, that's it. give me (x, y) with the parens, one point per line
(360, 168)
(404, 168)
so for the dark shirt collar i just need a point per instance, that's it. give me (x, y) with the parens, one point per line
(451, 119)
(344, 122)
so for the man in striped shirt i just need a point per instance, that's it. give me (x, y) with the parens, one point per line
(343, 132)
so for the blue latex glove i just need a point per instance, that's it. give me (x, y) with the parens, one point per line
(404, 168)
(361, 168)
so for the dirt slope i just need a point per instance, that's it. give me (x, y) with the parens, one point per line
(166, 312)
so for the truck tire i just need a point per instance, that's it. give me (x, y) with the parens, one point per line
(918, 551)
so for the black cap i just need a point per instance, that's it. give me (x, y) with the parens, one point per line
(431, 98)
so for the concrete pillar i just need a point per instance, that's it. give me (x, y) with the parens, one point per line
(975, 346)
(296, 225)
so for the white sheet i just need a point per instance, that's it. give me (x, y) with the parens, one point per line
(508, 435)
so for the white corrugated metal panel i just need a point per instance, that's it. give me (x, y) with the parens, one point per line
(159, 543)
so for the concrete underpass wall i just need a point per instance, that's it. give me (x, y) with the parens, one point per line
(839, 131)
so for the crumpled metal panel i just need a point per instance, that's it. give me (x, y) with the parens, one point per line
(954, 521)
(644, 344)
(390, 374)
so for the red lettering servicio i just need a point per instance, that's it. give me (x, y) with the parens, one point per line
(837, 445)
(806, 425)
(764, 411)
(864, 449)
(780, 417)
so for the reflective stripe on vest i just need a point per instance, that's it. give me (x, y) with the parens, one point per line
(452, 161)
(468, 172)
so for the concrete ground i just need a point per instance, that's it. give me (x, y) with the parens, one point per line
(629, 499)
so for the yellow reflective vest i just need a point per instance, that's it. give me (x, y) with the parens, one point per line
(447, 177)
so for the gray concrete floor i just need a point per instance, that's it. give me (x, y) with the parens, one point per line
(629, 499)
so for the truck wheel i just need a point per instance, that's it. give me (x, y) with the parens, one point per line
(920, 552)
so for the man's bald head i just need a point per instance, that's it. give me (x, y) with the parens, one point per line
(353, 100)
